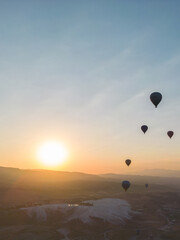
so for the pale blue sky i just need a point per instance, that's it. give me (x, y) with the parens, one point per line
(82, 72)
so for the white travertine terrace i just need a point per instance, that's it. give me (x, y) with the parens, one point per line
(108, 209)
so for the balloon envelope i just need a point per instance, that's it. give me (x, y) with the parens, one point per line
(128, 162)
(156, 98)
(170, 133)
(137, 231)
(144, 128)
(126, 185)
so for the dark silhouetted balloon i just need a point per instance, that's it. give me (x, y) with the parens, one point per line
(146, 185)
(170, 133)
(156, 98)
(144, 128)
(126, 185)
(137, 231)
(128, 162)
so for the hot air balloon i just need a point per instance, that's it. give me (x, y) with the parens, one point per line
(170, 133)
(128, 162)
(146, 185)
(156, 98)
(137, 231)
(126, 185)
(144, 128)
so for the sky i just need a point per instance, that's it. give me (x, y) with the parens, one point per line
(81, 72)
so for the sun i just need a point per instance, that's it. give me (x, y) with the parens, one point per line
(52, 153)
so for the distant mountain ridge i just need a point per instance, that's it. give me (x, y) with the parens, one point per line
(8, 174)
(18, 186)
(149, 172)
(161, 172)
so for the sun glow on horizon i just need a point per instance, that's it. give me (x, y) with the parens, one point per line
(52, 153)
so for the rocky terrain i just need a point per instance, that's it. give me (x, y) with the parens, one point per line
(91, 208)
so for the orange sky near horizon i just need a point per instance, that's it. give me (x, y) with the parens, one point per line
(97, 159)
